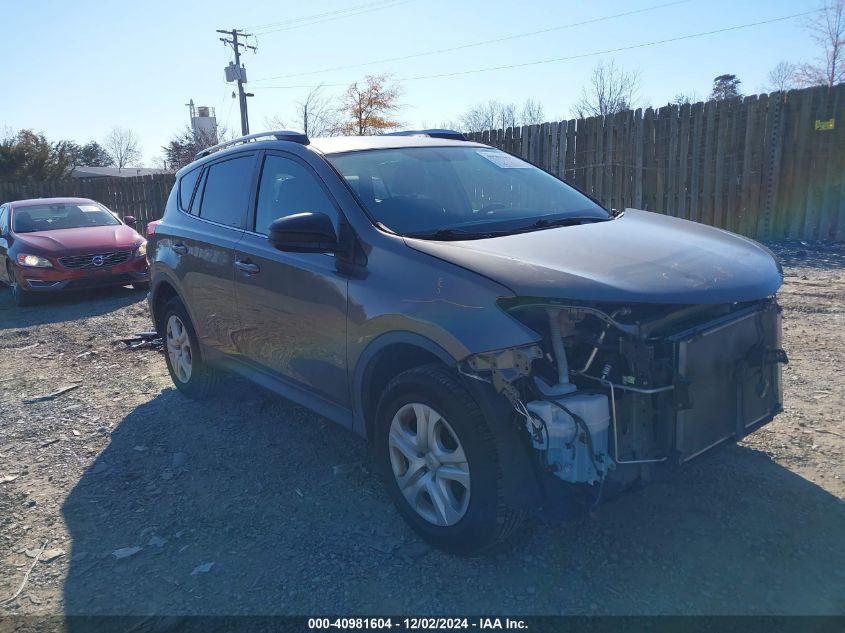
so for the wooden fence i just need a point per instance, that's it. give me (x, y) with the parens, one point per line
(767, 166)
(141, 196)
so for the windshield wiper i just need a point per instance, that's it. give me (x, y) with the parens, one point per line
(541, 223)
(544, 223)
(449, 234)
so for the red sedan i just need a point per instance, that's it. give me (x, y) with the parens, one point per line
(56, 244)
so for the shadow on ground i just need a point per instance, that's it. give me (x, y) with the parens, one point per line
(810, 254)
(250, 505)
(60, 308)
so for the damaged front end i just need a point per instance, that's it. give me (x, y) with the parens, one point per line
(610, 391)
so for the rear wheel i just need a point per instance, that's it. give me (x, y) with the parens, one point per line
(20, 296)
(439, 461)
(191, 375)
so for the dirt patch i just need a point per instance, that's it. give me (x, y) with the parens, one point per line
(152, 504)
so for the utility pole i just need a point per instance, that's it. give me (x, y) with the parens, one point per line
(237, 72)
(191, 114)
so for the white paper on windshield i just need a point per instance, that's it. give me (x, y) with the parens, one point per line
(89, 207)
(505, 161)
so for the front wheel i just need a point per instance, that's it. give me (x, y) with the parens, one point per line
(20, 296)
(439, 461)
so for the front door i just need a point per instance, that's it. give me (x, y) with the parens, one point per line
(292, 306)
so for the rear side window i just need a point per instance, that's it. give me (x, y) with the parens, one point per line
(226, 193)
(287, 188)
(187, 184)
(4, 220)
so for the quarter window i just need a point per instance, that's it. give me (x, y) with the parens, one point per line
(288, 187)
(187, 184)
(226, 194)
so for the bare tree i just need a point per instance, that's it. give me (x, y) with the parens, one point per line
(611, 89)
(123, 146)
(683, 98)
(367, 108)
(827, 28)
(480, 117)
(442, 125)
(532, 113)
(781, 78)
(489, 116)
(316, 115)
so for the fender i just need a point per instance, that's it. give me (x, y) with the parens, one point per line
(163, 274)
(359, 378)
(521, 488)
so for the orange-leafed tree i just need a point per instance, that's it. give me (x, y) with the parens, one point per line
(369, 107)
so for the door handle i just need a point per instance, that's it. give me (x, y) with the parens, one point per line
(180, 248)
(247, 267)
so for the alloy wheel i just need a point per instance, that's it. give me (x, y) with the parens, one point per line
(179, 348)
(429, 464)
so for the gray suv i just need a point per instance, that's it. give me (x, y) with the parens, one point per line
(501, 340)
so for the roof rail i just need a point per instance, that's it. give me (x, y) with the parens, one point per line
(432, 133)
(279, 135)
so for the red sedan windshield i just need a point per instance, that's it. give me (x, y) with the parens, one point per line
(65, 215)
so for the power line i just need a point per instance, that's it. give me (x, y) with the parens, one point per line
(580, 56)
(259, 27)
(312, 20)
(480, 43)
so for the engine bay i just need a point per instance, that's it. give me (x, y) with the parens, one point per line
(609, 392)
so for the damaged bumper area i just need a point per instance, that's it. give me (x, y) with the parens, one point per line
(57, 278)
(609, 392)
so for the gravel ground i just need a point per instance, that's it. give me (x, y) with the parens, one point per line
(148, 503)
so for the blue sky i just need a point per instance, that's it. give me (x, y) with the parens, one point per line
(79, 68)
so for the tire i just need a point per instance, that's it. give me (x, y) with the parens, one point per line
(144, 286)
(464, 511)
(190, 374)
(20, 296)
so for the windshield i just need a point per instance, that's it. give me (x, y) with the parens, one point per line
(65, 215)
(460, 192)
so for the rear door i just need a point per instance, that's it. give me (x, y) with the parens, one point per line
(206, 243)
(292, 306)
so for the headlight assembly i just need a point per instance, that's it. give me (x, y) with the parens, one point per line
(33, 261)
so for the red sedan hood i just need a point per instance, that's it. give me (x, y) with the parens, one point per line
(85, 240)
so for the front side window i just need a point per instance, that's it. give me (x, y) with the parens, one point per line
(62, 215)
(4, 220)
(288, 187)
(226, 193)
(460, 192)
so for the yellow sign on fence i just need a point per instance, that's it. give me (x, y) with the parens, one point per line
(825, 125)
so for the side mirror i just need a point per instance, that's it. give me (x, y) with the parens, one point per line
(307, 232)
(129, 220)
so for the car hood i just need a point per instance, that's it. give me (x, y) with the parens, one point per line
(89, 239)
(640, 257)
